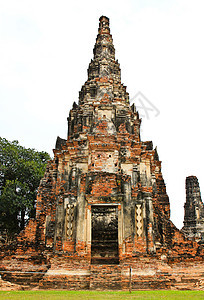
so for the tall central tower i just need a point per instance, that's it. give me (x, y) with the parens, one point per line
(108, 195)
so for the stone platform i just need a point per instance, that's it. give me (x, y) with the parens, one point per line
(142, 273)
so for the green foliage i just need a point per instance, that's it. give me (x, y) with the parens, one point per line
(20, 172)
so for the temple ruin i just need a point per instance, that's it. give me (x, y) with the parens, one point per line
(103, 214)
(193, 211)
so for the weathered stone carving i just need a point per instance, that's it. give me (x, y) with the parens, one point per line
(139, 219)
(70, 220)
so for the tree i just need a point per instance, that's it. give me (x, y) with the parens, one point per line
(20, 172)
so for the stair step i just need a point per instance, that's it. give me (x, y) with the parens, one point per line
(105, 277)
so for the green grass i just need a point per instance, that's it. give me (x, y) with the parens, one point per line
(95, 295)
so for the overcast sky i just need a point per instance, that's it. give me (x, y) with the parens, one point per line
(45, 49)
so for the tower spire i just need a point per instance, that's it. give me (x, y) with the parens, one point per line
(104, 25)
(104, 43)
(104, 74)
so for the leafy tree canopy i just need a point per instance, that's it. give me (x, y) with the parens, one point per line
(20, 172)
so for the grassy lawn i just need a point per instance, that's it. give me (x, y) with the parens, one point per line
(101, 295)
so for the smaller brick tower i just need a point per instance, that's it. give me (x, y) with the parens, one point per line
(193, 210)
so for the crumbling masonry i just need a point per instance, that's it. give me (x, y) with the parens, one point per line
(102, 205)
(194, 211)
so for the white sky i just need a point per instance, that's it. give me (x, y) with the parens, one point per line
(45, 49)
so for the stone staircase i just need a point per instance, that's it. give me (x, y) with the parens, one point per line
(29, 279)
(105, 277)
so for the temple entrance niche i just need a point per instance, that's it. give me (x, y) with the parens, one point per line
(104, 232)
